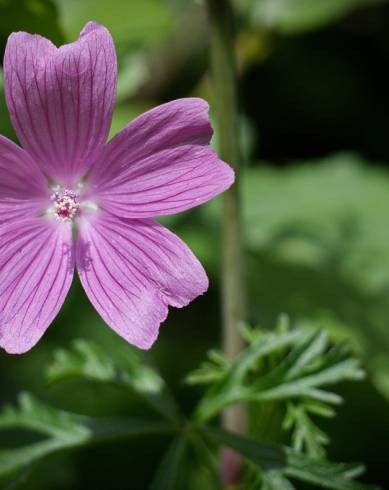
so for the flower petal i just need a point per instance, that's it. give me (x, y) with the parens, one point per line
(23, 188)
(61, 99)
(165, 182)
(132, 270)
(180, 122)
(36, 270)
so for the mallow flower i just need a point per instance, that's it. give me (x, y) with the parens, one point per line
(70, 199)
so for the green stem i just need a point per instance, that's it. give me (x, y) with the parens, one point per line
(224, 85)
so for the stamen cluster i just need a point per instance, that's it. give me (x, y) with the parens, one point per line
(66, 204)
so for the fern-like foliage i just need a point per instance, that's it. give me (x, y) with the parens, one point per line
(293, 368)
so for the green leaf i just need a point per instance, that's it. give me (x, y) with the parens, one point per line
(86, 360)
(5, 122)
(125, 112)
(63, 431)
(291, 463)
(129, 21)
(34, 415)
(302, 373)
(380, 374)
(306, 385)
(294, 16)
(307, 352)
(229, 389)
(34, 16)
(309, 216)
(188, 464)
(273, 480)
(306, 435)
(211, 370)
(171, 473)
(337, 476)
(315, 229)
(266, 456)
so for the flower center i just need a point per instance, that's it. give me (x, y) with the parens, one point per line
(66, 204)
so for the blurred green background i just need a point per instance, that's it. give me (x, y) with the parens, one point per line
(314, 126)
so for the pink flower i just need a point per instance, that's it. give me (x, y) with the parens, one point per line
(70, 199)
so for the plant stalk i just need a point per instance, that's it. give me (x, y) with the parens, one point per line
(224, 85)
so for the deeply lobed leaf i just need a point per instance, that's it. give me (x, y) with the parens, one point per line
(302, 373)
(86, 360)
(63, 431)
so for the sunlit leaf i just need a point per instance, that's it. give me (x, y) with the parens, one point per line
(337, 476)
(314, 214)
(62, 431)
(304, 372)
(273, 480)
(294, 16)
(211, 370)
(306, 435)
(129, 21)
(316, 232)
(87, 360)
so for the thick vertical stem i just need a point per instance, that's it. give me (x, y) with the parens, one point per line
(224, 86)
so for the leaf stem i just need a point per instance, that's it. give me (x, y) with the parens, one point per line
(224, 85)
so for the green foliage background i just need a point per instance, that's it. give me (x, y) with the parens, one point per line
(315, 123)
